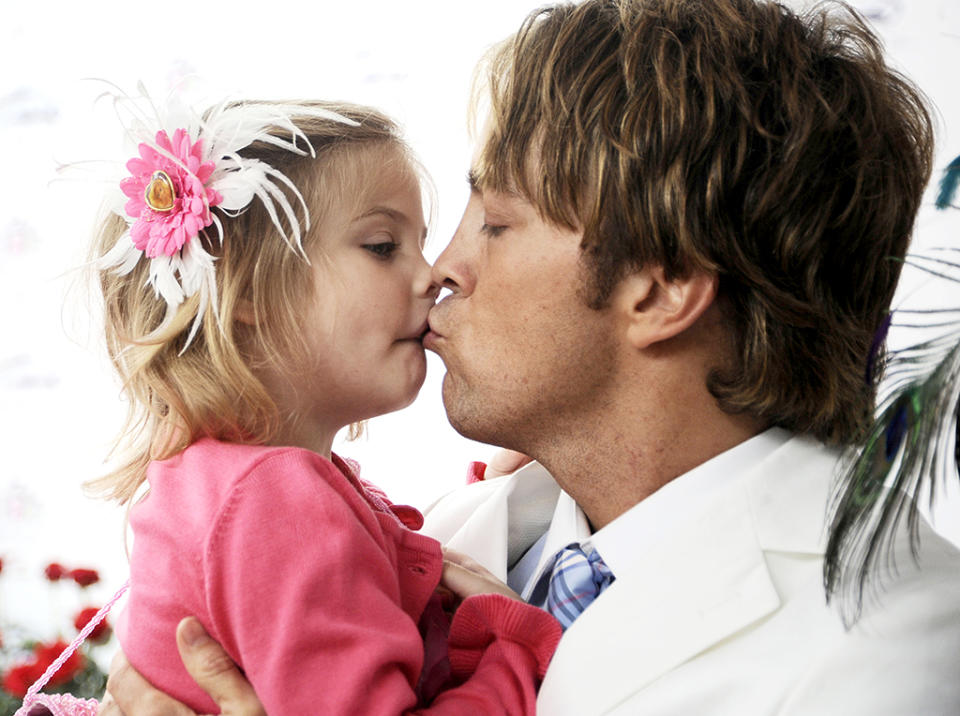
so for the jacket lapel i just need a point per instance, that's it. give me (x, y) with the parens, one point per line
(707, 580)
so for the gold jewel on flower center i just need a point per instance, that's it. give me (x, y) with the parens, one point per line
(159, 194)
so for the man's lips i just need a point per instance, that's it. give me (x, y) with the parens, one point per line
(431, 337)
(434, 335)
(430, 340)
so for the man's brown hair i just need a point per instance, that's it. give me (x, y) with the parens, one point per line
(731, 136)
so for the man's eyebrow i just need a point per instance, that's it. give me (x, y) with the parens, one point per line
(474, 181)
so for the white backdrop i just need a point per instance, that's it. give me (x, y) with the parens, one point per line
(59, 406)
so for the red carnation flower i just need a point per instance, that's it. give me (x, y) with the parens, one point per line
(101, 632)
(20, 678)
(1, 565)
(46, 654)
(54, 571)
(85, 577)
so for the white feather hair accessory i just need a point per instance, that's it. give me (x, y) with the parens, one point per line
(189, 163)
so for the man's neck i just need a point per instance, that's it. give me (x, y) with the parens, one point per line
(612, 462)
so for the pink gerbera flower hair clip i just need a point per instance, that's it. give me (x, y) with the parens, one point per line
(169, 199)
(189, 164)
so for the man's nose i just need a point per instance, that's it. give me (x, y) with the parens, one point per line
(424, 283)
(452, 269)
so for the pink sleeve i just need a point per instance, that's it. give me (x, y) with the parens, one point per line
(303, 594)
(504, 647)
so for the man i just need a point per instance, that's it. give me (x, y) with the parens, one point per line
(684, 232)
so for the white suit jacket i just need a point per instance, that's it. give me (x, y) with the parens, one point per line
(727, 614)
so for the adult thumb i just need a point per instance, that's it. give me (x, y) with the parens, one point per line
(215, 672)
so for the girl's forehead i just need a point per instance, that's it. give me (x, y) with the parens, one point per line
(377, 175)
(373, 177)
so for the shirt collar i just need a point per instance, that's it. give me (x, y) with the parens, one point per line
(642, 525)
(569, 524)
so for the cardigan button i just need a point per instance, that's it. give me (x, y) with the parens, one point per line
(417, 569)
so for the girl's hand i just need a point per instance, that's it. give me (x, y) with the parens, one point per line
(504, 462)
(466, 577)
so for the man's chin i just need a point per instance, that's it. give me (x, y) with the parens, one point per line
(453, 406)
(465, 417)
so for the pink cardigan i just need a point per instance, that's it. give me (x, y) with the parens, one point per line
(315, 586)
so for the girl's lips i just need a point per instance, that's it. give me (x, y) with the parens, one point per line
(419, 335)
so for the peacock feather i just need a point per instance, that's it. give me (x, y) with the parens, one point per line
(948, 184)
(910, 449)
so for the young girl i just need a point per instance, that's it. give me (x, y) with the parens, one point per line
(265, 288)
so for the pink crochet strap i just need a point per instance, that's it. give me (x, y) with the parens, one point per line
(58, 705)
(81, 637)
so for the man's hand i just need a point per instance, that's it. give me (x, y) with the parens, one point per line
(215, 672)
(128, 693)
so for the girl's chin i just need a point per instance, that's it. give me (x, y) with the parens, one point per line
(402, 399)
(396, 391)
(418, 374)
(410, 396)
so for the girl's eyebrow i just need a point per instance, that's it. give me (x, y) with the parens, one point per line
(398, 216)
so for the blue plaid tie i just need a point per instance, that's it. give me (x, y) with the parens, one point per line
(576, 580)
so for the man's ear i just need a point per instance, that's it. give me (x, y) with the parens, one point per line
(657, 309)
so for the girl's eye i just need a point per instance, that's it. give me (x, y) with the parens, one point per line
(382, 249)
(492, 230)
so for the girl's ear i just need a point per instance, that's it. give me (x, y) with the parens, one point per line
(243, 311)
(657, 309)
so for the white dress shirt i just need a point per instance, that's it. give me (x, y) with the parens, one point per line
(639, 527)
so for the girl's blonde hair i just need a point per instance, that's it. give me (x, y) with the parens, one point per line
(177, 396)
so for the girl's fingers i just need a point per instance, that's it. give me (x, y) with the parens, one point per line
(504, 462)
(465, 582)
(465, 560)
